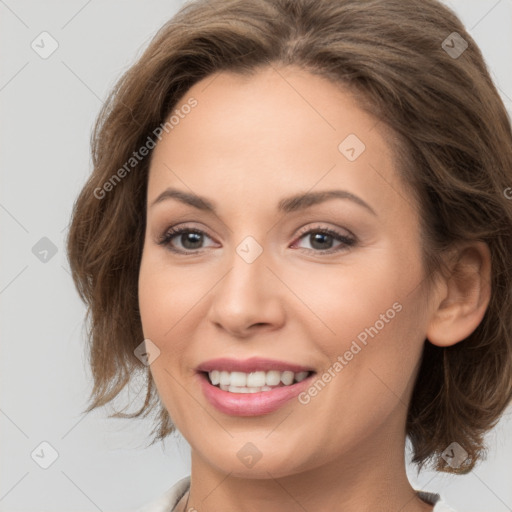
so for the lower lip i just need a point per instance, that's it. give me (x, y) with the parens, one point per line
(251, 404)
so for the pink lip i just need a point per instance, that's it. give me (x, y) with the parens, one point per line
(250, 404)
(252, 364)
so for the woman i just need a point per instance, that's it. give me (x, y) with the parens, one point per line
(298, 230)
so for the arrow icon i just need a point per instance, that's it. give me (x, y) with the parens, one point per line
(351, 147)
(454, 45)
(44, 44)
(44, 455)
(249, 252)
(147, 352)
(454, 455)
(249, 455)
(44, 250)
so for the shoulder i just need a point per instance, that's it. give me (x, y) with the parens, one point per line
(167, 501)
(443, 507)
(434, 499)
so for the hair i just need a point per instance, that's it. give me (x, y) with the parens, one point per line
(453, 148)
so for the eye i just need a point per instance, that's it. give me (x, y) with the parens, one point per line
(189, 239)
(322, 239)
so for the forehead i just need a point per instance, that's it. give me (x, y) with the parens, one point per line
(251, 136)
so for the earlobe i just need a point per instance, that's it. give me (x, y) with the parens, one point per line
(465, 295)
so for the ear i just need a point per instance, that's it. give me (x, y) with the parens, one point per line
(464, 295)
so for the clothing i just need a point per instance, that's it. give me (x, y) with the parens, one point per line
(168, 501)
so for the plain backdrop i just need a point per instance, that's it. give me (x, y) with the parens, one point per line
(48, 106)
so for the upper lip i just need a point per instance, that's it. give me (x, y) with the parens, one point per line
(253, 364)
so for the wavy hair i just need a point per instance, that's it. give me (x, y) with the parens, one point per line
(404, 63)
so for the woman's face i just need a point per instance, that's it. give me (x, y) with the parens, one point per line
(301, 253)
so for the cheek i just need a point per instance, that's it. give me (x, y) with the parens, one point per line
(160, 310)
(371, 317)
(169, 302)
(352, 302)
(166, 295)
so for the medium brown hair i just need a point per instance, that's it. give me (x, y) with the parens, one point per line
(454, 148)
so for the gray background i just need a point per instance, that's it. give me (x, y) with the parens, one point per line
(47, 110)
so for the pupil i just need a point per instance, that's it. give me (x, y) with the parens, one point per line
(193, 238)
(319, 237)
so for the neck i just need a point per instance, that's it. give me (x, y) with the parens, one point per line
(367, 478)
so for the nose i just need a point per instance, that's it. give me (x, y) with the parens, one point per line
(248, 299)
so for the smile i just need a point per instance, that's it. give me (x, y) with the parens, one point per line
(252, 387)
(254, 382)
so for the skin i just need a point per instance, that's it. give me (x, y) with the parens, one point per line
(249, 142)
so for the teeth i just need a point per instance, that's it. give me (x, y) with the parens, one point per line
(299, 377)
(238, 379)
(254, 382)
(273, 378)
(215, 377)
(256, 379)
(287, 378)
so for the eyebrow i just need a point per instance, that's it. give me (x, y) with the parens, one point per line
(286, 205)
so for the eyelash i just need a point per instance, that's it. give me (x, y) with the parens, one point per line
(347, 241)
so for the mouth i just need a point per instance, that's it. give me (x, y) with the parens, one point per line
(252, 387)
(254, 382)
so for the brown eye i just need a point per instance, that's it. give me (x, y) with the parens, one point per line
(184, 239)
(322, 240)
(190, 240)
